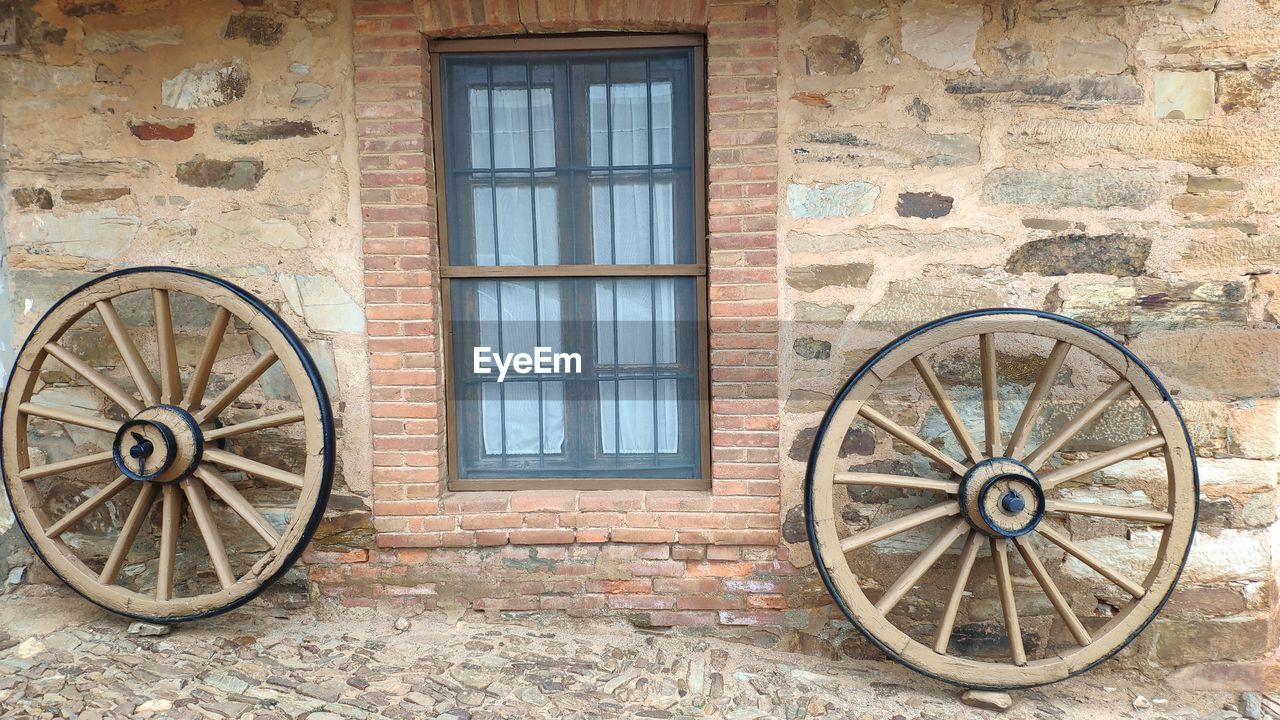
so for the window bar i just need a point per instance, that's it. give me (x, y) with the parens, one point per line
(653, 359)
(573, 179)
(537, 285)
(648, 90)
(497, 257)
(542, 408)
(617, 369)
(533, 178)
(502, 391)
(653, 255)
(613, 259)
(608, 133)
(574, 391)
(493, 182)
(577, 168)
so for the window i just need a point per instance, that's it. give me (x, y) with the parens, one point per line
(572, 183)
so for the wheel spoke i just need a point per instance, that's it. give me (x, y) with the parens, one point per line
(237, 502)
(40, 471)
(948, 409)
(1039, 394)
(233, 391)
(117, 394)
(1004, 581)
(204, 366)
(1076, 424)
(967, 558)
(1140, 515)
(1051, 591)
(167, 350)
(82, 510)
(920, 566)
(171, 516)
(128, 533)
(195, 393)
(910, 438)
(253, 467)
(262, 423)
(198, 503)
(70, 417)
(902, 524)
(1089, 560)
(129, 352)
(904, 482)
(990, 394)
(1050, 480)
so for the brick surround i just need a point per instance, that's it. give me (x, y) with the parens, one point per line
(679, 558)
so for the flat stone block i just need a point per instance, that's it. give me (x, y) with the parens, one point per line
(1184, 95)
(832, 200)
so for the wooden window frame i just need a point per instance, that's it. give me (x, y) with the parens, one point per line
(697, 270)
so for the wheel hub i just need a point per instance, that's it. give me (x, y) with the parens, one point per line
(161, 444)
(1001, 497)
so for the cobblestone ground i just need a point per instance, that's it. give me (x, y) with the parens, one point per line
(60, 657)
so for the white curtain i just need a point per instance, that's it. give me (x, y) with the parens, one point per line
(634, 224)
(510, 411)
(519, 240)
(631, 222)
(637, 415)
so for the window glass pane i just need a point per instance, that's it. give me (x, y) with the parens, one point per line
(629, 408)
(588, 152)
(478, 119)
(572, 157)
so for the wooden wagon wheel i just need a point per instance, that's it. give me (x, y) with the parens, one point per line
(176, 495)
(961, 512)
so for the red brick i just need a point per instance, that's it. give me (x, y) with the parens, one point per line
(642, 535)
(653, 552)
(491, 537)
(412, 556)
(720, 569)
(710, 602)
(591, 535)
(620, 586)
(717, 552)
(610, 500)
(540, 537)
(688, 585)
(767, 602)
(684, 501)
(491, 521)
(475, 502)
(544, 500)
(688, 552)
(641, 602)
(657, 568)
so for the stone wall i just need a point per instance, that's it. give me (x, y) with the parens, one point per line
(1113, 161)
(12, 546)
(213, 135)
(873, 165)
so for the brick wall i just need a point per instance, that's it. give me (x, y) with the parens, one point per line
(678, 557)
(940, 133)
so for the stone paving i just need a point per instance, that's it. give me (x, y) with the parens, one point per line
(60, 657)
